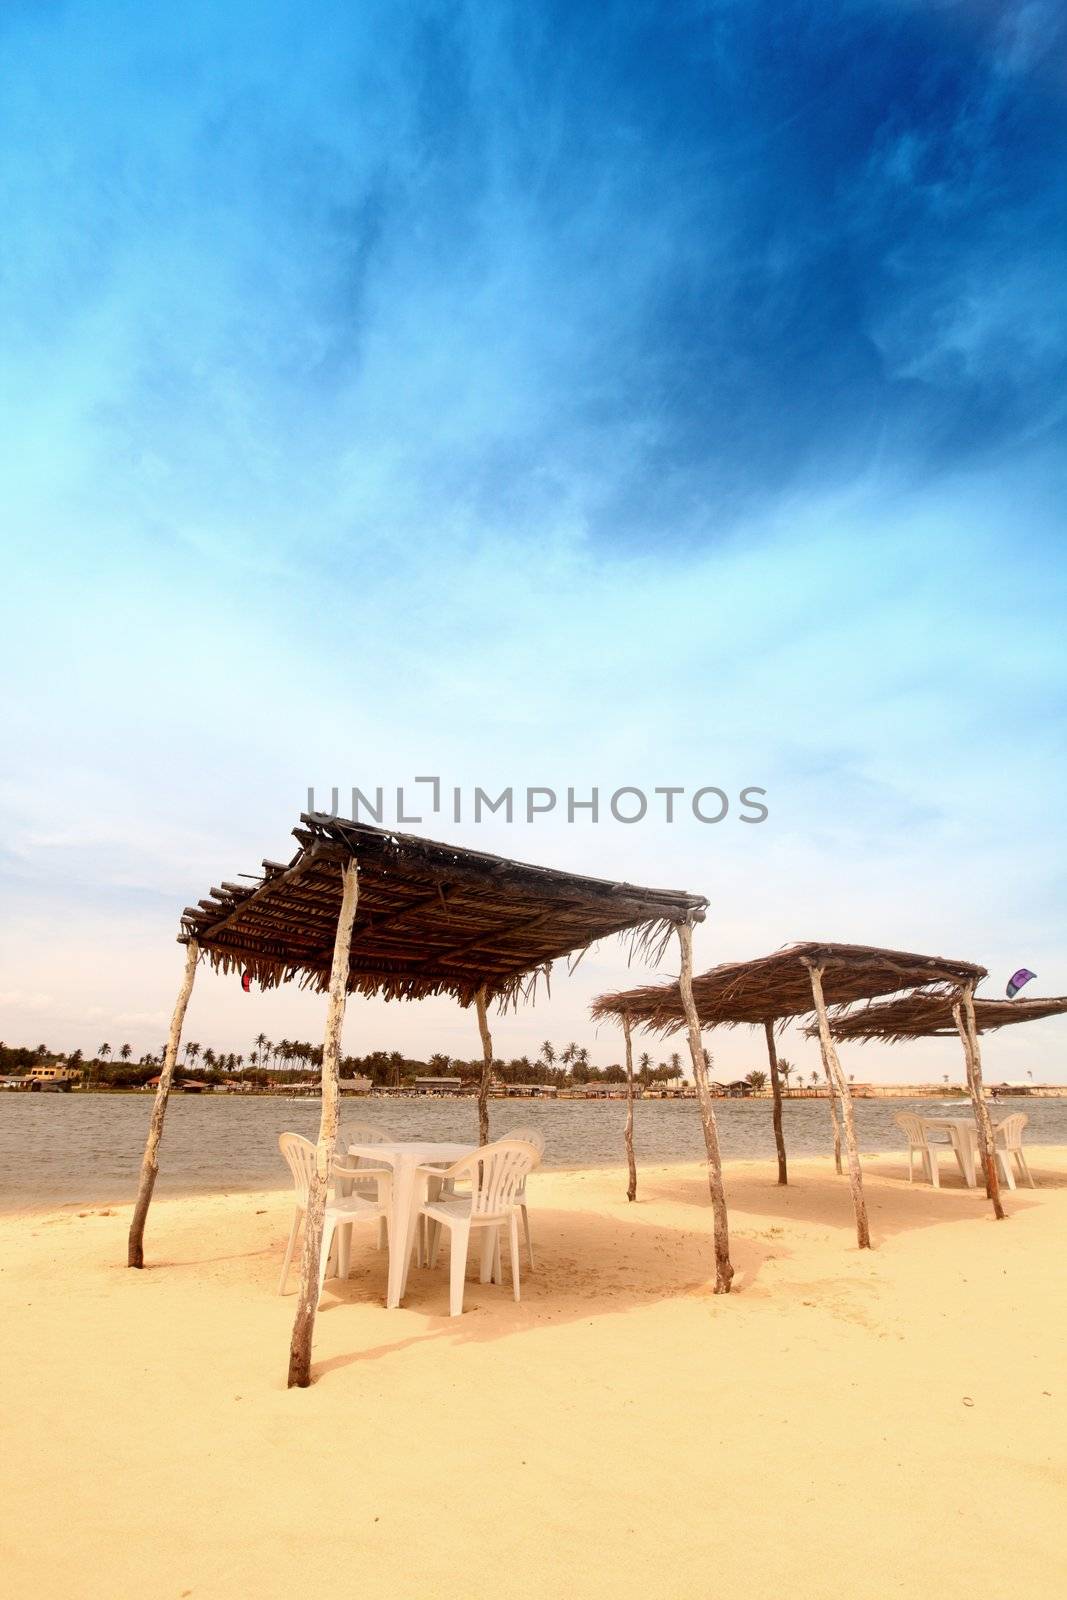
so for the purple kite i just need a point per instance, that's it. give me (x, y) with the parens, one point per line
(1017, 979)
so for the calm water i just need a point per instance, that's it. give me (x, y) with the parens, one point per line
(66, 1149)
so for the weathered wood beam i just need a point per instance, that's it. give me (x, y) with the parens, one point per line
(724, 1271)
(150, 1160)
(835, 1122)
(484, 939)
(840, 1082)
(486, 1078)
(376, 922)
(315, 1216)
(271, 886)
(963, 1012)
(776, 1107)
(631, 1162)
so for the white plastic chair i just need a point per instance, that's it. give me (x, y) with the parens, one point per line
(919, 1143)
(495, 1174)
(1008, 1144)
(527, 1134)
(341, 1212)
(370, 1185)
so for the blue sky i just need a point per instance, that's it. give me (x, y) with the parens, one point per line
(573, 394)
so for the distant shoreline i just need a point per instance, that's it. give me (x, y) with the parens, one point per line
(617, 1093)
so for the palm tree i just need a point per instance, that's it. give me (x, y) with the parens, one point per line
(548, 1051)
(676, 1066)
(785, 1069)
(756, 1080)
(261, 1042)
(125, 1052)
(104, 1051)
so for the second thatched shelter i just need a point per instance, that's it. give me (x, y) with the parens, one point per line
(790, 983)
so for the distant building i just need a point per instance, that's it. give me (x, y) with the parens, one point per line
(54, 1072)
(438, 1085)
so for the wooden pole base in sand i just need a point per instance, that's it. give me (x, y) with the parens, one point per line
(150, 1162)
(839, 1082)
(724, 1271)
(776, 1109)
(967, 1027)
(314, 1219)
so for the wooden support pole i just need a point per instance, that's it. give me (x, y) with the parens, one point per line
(724, 1272)
(487, 1068)
(150, 1163)
(967, 1027)
(840, 1082)
(631, 1190)
(310, 1260)
(776, 1110)
(834, 1120)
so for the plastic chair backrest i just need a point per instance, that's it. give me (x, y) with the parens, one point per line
(1010, 1131)
(912, 1125)
(527, 1134)
(299, 1155)
(495, 1173)
(359, 1133)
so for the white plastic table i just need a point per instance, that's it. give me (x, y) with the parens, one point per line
(964, 1136)
(404, 1157)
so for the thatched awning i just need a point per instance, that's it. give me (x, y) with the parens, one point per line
(929, 1016)
(432, 919)
(778, 986)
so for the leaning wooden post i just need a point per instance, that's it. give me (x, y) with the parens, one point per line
(832, 1097)
(723, 1270)
(149, 1163)
(776, 1091)
(308, 1297)
(844, 1094)
(631, 1191)
(487, 1068)
(966, 1024)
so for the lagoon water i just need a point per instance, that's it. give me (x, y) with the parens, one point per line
(81, 1149)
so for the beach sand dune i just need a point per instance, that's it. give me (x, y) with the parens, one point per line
(845, 1424)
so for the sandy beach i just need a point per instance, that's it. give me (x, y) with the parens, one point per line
(844, 1423)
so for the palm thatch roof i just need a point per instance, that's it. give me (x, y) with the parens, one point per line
(778, 986)
(432, 918)
(929, 1016)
